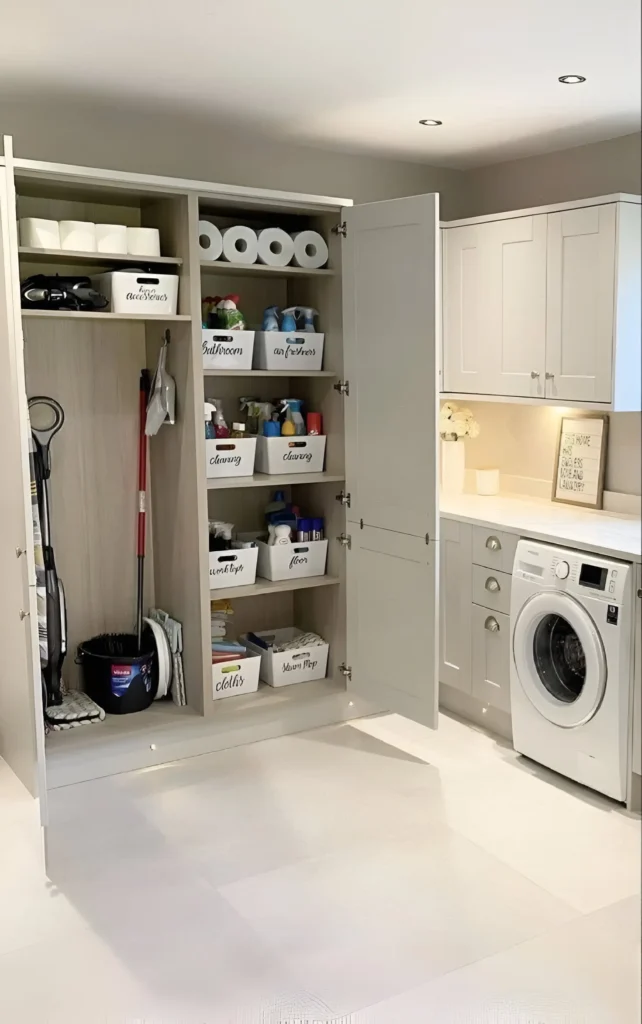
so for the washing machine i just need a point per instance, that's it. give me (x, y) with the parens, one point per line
(571, 664)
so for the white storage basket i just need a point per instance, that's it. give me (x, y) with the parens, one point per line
(230, 456)
(280, 350)
(290, 454)
(292, 561)
(233, 568)
(237, 676)
(298, 665)
(227, 350)
(133, 292)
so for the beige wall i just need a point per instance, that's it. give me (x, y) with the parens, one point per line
(579, 173)
(521, 440)
(172, 142)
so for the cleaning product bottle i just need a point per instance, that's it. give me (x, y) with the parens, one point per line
(270, 319)
(314, 424)
(238, 430)
(221, 428)
(278, 504)
(208, 410)
(229, 316)
(308, 314)
(297, 416)
(280, 535)
(288, 322)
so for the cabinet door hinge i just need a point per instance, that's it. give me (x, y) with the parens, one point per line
(345, 670)
(344, 498)
(340, 229)
(346, 540)
(343, 387)
(361, 524)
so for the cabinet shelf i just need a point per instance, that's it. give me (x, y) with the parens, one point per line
(76, 256)
(259, 269)
(269, 373)
(76, 314)
(274, 587)
(231, 483)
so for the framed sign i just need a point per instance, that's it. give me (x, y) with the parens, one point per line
(580, 461)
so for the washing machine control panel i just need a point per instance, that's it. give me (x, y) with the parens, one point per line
(574, 572)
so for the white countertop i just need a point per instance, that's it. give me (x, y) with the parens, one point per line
(601, 532)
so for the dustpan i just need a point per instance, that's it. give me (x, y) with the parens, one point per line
(162, 402)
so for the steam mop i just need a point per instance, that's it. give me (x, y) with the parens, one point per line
(63, 708)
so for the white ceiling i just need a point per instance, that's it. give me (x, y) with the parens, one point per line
(350, 74)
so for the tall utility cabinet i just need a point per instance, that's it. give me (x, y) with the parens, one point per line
(376, 605)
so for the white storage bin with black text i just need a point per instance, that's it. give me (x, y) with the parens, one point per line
(135, 292)
(230, 456)
(227, 350)
(292, 561)
(279, 350)
(290, 454)
(231, 678)
(296, 665)
(233, 568)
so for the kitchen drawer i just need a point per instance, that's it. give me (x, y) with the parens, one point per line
(493, 548)
(491, 658)
(491, 589)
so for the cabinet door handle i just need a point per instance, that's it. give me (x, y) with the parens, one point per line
(534, 374)
(23, 614)
(494, 544)
(493, 585)
(550, 376)
(491, 624)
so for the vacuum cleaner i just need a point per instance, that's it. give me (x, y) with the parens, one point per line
(62, 708)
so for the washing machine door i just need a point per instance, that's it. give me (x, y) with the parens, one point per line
(559, 658)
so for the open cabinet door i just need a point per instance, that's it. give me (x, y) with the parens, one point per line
(391, 308)
(21, 722)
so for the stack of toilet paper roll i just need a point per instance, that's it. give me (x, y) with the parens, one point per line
(272, 246)
(83, 236)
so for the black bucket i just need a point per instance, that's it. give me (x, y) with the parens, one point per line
(118, 676)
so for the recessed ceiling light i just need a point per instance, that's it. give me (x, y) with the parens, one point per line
(430, 123)
(571, 79)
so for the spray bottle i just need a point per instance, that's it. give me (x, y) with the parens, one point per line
(288, 322)
(270, 319)
(308, 315)
(208, 409)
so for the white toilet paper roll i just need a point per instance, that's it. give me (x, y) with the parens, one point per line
(210, 240)
(37, 233)
(276, 247)
(240, 244)
(143, 242)
(111, 238)
(310, 250)
(78, 235)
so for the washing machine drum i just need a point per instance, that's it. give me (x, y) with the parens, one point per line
(560, 660)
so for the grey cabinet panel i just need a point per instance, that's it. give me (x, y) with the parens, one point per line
(637, 677)
(491, 588)
(491, 657)
(390, 282)
(455, 604)
(21, 728)
(392, 621)
(493, 548)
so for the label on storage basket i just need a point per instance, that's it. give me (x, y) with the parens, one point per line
(135, 292)
(292, 561)
(232, 678)
(235, 568)
(296, 665)
(280, 350)
(227, 350)
(230, 456)
(290, 454)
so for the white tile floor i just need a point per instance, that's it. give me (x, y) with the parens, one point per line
(373, 873)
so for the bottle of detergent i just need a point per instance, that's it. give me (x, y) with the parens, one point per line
(292, 409)
(208, 410)
(221, 428)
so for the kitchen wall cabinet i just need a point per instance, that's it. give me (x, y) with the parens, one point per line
(545, 305)
(378, 494)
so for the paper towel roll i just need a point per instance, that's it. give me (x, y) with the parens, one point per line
(143, 242)
(111, 238)
(310, 250)
(276, 247)
(37, 233)
(78, 235)
(210, 241)
(240, 244)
